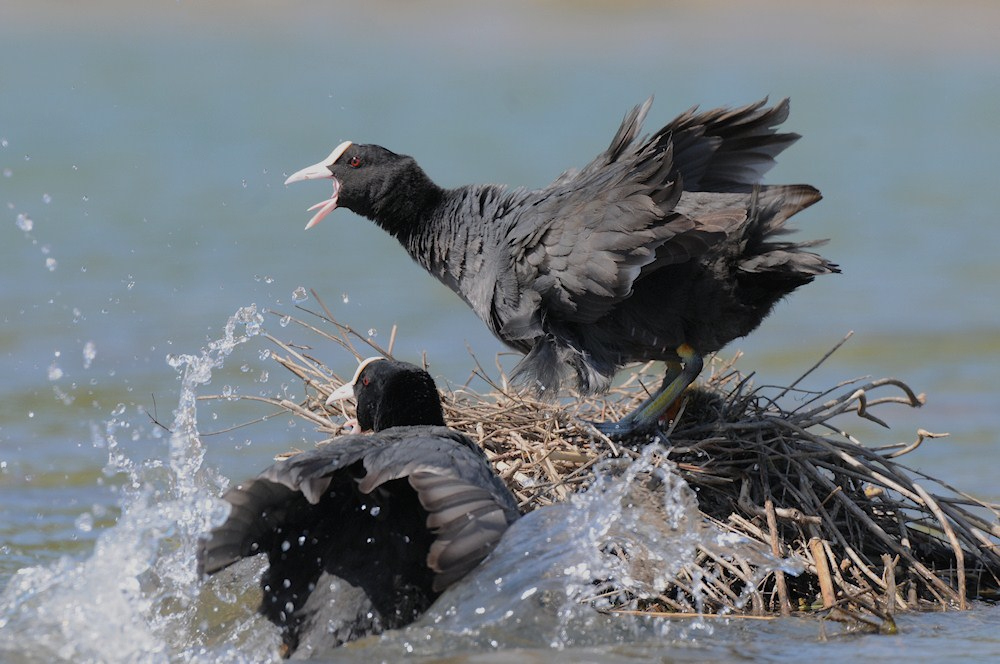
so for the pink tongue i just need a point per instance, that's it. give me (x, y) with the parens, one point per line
(325, 207)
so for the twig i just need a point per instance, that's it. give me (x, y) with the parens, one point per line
(786, 479)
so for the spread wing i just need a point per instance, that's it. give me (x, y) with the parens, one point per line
(262, 505)
(726, 149)
(468, 507)
(581, 243)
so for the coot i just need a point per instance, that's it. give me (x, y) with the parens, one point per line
(661, 248)
(363, 533)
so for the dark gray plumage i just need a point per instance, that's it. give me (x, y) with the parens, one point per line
(363, 533)
(664, 248)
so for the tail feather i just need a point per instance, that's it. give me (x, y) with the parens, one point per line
(770, 208)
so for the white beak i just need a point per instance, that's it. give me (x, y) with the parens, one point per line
(346, 391)
(322, 169)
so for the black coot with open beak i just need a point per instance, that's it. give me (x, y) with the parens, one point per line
(661, 248)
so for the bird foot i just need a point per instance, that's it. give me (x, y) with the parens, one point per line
(629, 428)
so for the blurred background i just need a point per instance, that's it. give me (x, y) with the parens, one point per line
(143, 147)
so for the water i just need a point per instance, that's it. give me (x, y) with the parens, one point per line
(141, 164)
(153, 607)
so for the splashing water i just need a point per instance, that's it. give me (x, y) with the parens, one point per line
(551, 580)
(136, 598)
(89, 353)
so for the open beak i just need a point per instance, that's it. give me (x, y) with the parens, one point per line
(320, 171)
(325, 207)
(351, 426)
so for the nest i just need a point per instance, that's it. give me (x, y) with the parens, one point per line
(876, 536)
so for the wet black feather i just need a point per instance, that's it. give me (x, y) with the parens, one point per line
(363, 533)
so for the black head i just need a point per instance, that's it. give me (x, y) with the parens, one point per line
(369, 180)
(391, 394)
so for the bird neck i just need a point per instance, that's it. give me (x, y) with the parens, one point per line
(407, 205)
(450, 238)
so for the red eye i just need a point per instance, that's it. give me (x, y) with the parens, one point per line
(365, 380)
(354, 162)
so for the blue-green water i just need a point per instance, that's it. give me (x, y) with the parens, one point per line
(142, 151)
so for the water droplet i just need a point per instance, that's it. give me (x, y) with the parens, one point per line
(284, 321)
(227, 391)
(27, 157)
(85, 522)
(264, 354)
(75, 167)
(130, 285)
(3, 143)
(264, 375)
(55, 373)
(245, 367)
(244, 183)
(24, 222)
(375, 510)
(286, 545)
(89, 353)
(372, 332)
(299, 295)
(345, 298)
(46, 199)
(85, 198)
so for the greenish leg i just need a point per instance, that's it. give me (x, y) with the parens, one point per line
(646, 417)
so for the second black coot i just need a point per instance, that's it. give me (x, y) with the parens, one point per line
(363, 533)
(661, 248)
